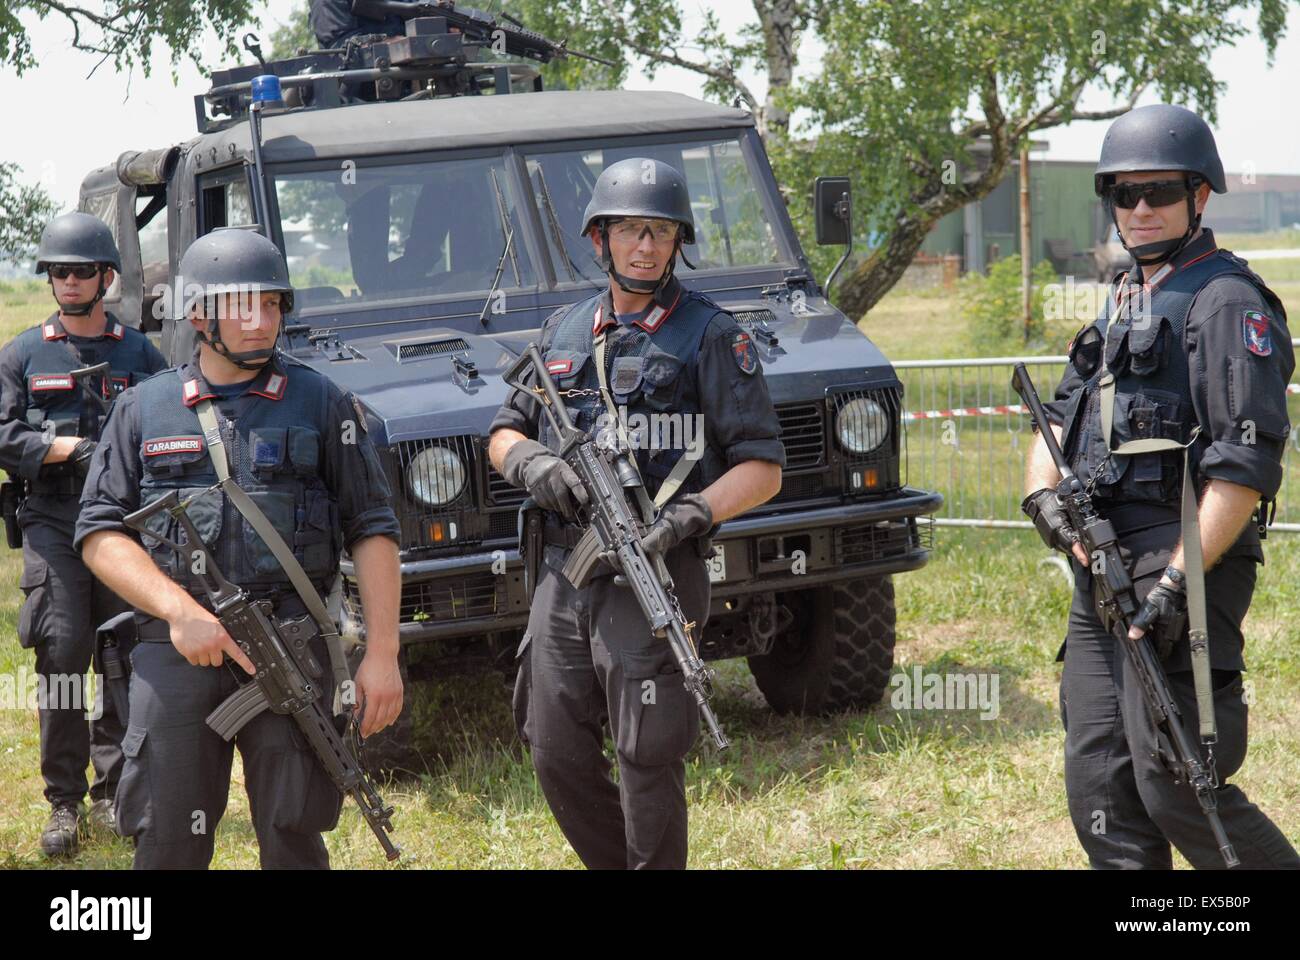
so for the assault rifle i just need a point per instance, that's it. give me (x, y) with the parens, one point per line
(607, 471)
(1118, 603)
(285, 668)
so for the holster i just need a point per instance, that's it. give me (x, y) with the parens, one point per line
(12, 494)
(531, 545)
(114, 641)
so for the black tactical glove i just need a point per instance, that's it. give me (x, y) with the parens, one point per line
(1163, 616)
(687, 516)
(1050, 519)
(80, 456)
(548, 479)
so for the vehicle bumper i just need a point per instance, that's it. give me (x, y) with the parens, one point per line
(801, 546)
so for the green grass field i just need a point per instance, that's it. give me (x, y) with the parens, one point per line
(880, 789)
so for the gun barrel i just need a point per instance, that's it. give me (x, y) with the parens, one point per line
(1024, 385)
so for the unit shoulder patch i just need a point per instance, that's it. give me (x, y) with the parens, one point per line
(742, 351)
(1255, 334)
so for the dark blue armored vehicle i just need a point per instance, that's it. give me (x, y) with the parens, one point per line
(429, 205)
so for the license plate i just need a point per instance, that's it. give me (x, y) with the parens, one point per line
(717, 564)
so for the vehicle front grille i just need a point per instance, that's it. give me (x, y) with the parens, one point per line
(803, 434)
(882, 541)
(447, 598)
(500, 493)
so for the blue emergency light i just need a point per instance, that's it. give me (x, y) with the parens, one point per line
(266, 89)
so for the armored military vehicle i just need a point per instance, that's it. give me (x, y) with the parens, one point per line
(428, 202)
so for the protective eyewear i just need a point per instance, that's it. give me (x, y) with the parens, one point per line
(82, 271)
(1157, 193)
(630, 229)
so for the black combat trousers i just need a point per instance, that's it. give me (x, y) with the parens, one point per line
(588, 660)
(1124, 803)
(176, 779)
(64, 605)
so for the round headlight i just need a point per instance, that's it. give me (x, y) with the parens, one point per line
(862, 425)
(435, 476)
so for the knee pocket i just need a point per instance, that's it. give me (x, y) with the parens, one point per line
(658, 720)
(36, 591)
(160, 796)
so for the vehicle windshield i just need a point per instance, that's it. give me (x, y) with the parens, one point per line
(383, 230)
(731, 224)
(388, 230)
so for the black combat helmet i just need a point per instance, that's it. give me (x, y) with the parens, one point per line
(78, 238)
(231, 260)
(639, 187)
(1160, 137)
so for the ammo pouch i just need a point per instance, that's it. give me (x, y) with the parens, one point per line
(114, 641)
(11, 498)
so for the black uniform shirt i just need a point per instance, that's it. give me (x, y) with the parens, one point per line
(351, 471)
(1240, 361)
(22, 445)
(334, 24)
(740, 422)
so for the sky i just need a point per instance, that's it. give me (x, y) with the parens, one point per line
(68, 124)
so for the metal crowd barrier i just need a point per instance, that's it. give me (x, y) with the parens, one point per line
(966, 435)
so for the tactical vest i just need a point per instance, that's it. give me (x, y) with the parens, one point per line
(651, 370)
(54, 398)
(1147, 355)
(276, 448)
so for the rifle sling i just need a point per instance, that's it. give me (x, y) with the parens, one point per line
(302, 584)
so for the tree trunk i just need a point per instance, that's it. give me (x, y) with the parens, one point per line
(862, 289)
(781, 44)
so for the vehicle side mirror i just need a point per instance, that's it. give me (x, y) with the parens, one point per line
(833, 209)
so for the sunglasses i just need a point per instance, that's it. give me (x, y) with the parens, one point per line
(82, 271)
(1157, 193)
(661, 230)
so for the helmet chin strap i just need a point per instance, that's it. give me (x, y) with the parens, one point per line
(632, 284)
(243, 359)
(80, 309)
(1150, 254)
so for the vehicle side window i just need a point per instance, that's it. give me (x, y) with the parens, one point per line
(226, 203)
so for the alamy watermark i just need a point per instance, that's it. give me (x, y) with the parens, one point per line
(946, 691)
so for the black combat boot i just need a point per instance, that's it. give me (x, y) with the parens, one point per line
(59, 838)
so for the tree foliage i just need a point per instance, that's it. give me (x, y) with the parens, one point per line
(24, 211)
(124, 31)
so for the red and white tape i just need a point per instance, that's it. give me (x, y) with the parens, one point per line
(999, 410)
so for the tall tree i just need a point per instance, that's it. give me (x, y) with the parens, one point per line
(124, 31)
(24, 211)
(924, 104)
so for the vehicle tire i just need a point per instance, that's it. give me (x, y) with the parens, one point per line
(392, 748)
(838, 652)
